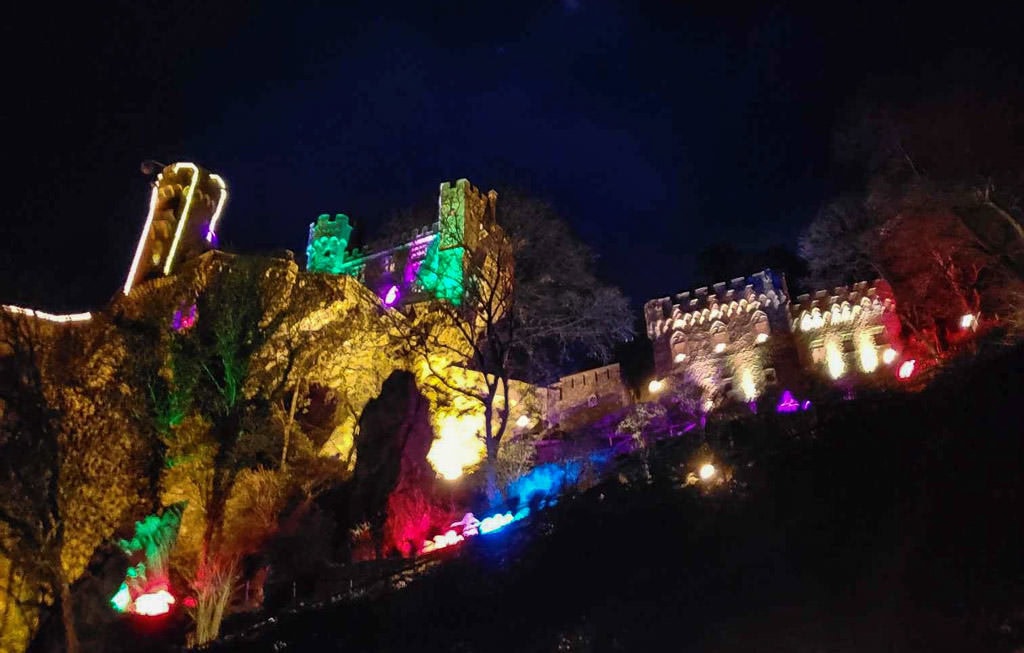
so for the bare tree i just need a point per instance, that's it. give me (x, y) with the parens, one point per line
(529, 305)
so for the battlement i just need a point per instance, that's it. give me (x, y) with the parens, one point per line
(761, 290)
(844, 304)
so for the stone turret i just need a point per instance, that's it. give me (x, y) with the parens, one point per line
(328, 238)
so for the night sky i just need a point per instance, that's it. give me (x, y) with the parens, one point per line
(654, 128)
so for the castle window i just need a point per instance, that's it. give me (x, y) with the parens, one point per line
(592, 401)
(817, 352)
(769, 376)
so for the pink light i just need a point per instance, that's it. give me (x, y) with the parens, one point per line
(907, 369)
(391, 296)
(154, 604)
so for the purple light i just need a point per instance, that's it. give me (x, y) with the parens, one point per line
(184, 320)
(391, 296)
(787, 404)
(807, 404)
(211, 237)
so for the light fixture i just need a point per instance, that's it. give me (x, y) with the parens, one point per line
(211, 230)
(719, 348)
(889, 356)
(153, 197)
(523, 421)
(706, 471)
(907, 369)
(834, 360)
(868, 353)
(49, 317)
(761, 337)
(680, 357)
(183, 218)
(655, 386)
(968, 321)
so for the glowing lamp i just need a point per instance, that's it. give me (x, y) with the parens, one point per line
(834, 360)
(122, 599)
(787, 404)
(523, 421)
(495, 522)
(391, 296)
(868, 354)
(706, 471)
(680, 357)
(888, 356)
(907, 369)
(968, 321)
(761, 337)
(655, 386)
(719, 348)
(748, 386)
(154, 604)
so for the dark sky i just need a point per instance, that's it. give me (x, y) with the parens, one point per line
(655, 128)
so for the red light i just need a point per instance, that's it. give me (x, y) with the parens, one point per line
(907, 369)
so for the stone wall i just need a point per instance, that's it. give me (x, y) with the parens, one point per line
(848, 330)
(580, 398)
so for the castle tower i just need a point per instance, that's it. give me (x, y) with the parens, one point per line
(185, 206)
(466, 217)
(328, 238)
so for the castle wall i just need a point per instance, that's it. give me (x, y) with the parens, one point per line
(742, 339)
(725, 338)
(847, 331)
(581, 398)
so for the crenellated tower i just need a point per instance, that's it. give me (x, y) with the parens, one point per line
(328, 238)
(185, 206)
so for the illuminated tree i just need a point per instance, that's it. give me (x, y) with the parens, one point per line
(68, 462)
(529, 305)
(937, 212)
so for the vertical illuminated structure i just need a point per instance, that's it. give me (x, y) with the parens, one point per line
(328, 238)
(465, 216)
(185, 207)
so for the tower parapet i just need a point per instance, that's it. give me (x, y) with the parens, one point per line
(328, 238)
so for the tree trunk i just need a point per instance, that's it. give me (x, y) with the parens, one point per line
(67, 614)
(288, 424)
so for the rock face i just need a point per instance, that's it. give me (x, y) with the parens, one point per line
(391, 458)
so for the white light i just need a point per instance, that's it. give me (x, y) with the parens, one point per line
(761, 337)
(657, 385)
(523, 421)
(145, 234)
(707, 470)
(868, 353)
(169, 263)
(719, 348)
(967, 321)
(834, 359)
(888, 356)
(680, 357)
(50, 317)
(211, 231)
(748, 386)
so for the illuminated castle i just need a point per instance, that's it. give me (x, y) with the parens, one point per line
(184, 207)
(743, 338)
(430, 262)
